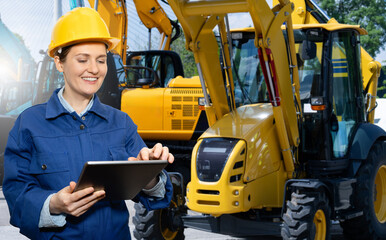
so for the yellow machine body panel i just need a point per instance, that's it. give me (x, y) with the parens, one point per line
(254, 124)
(371, 70)
(193, 82)
(170, 113)
(147, 113)
(261, 171)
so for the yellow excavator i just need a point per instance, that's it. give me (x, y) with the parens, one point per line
(291, 145)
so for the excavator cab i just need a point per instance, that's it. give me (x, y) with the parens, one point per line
(332, 98)
(249, 81)
(166, 65)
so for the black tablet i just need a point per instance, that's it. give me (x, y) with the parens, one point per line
(122, 180)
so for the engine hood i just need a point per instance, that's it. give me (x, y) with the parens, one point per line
(253, 124)
(242, 123)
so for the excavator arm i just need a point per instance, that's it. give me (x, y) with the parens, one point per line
(115, 15)
(150, 12)
(199, 18)
(153, 15)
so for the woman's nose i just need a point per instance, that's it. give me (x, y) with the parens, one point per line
(93, 67)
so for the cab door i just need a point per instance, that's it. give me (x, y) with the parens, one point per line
(346, 97)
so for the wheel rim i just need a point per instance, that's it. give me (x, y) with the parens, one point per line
(165, 230)
(320, 225)
(380, 194)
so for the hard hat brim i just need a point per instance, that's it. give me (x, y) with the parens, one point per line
(110, 42)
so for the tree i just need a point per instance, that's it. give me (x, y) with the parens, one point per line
(369, 14)
(381, 90)
(187, 57)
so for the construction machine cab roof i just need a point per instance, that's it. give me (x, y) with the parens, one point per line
(331, 27)
(327, 26)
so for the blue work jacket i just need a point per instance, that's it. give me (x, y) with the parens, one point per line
(47, 149)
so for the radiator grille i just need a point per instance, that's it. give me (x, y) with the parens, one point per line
(176, 99)
(187, 107)
(188, 99)
(188, 124)
(186, 91)
(187, 111)
(176, 124)
(176, 107)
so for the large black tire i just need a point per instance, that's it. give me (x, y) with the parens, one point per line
(307, 217)
(153, 225)
(181, 165)
(370, 198)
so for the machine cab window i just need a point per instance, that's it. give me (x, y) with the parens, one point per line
(248, 78)
(346, 89)
(155, 68)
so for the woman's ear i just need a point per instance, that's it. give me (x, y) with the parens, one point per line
(58, 64)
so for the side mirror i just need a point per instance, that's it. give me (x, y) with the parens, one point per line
(318, 102)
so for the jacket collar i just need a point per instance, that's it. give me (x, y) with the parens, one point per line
(55, 108)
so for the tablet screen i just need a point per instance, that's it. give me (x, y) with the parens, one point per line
(122, 180)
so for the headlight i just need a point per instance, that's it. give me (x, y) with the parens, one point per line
(212, 156)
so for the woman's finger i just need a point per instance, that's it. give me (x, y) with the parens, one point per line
(165, 153)
(87, 205)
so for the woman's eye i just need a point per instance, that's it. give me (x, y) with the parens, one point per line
(82, 60)
(102, 61)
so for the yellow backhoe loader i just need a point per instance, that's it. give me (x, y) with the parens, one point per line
(303, 151)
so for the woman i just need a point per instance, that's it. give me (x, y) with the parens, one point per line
(50, 143)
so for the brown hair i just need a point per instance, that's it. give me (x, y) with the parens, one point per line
(63, 53)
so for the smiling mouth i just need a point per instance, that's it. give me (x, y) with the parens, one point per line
(90, 79)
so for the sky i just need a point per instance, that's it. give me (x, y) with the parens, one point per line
(34, 19)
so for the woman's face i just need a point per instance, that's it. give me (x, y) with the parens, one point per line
(84, 69)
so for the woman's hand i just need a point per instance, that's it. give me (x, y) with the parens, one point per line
(158, 152)
(74, 203)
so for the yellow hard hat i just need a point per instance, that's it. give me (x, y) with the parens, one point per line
(82, 24)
